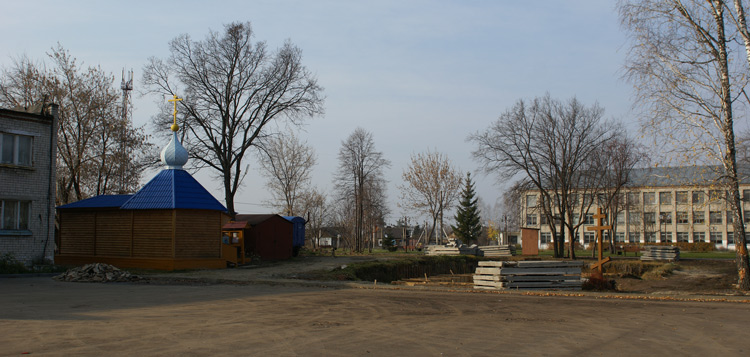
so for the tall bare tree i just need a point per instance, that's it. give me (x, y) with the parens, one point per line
(689, 72)
(233, 88)
(314, 205)
(431, 186)
(287, 166)
(95, 141)
(360, 184)
(551, 144)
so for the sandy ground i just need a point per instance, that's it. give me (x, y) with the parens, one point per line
(45, 317)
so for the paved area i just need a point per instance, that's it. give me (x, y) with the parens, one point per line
(44, 317)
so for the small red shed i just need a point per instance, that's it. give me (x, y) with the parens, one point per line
(270, 236)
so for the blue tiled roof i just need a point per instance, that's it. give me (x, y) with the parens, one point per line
(173, 189)
(294, 219)
(101, 201)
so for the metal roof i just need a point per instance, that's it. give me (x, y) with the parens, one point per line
(101, 201)
(681, 176)
(254, 219)
(294, 219)
(173, 189)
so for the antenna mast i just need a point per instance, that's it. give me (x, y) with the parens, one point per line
(126, 86)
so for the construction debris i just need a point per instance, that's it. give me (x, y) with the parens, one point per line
(462, 249)
(498, 250)
(557, 275)
(96, 273)
(661, 252)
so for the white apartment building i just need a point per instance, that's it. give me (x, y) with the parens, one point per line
(661, 205)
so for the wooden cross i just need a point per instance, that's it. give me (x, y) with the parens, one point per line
(174, 100)
(599, 228)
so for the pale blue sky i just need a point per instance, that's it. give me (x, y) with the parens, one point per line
(419, 75)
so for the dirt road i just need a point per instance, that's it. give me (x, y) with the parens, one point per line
(45, 317)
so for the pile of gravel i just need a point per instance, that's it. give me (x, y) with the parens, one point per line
(96, 273)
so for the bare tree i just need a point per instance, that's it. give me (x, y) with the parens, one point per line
(315, 206)
(689, 72)
(233, 88)
(288, 169)
(615, 161)
(359, 182)
(95, 142)
(550, 143)
(431, 186)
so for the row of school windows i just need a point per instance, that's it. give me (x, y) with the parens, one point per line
(651, 218)
(649, 198)
(15, 149)
(654, 237)
(14, 214)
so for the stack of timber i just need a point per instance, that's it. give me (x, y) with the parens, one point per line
(452, 250)
(654, 252)
(547, 275)
(498, 250)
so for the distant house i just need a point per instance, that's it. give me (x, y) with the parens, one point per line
(273, 237)
(28, 141)
(170, 223)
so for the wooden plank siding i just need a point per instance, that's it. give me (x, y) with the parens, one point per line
(151, 239)
(152, 233)
(113, 234)
(77, 233)
(198, 234)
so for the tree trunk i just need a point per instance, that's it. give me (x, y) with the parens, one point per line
(730, 160)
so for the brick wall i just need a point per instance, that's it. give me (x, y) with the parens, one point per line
(35, 184)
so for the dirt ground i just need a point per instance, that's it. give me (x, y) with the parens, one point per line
(262, 311)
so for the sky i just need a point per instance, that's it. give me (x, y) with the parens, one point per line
(419, 75)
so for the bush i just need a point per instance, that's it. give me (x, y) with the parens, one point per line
(9, 265)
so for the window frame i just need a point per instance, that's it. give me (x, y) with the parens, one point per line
(15, 149)
(17, 217)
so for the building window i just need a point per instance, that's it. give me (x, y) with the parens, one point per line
(649, 237)
(665, 198)
(714, 217)
(714, 195)
(699, 217)
(546, 237)
(716, 237)
(589, 237)
(682, 218)
(14, 214)
(543, 219)
(649, 198)
(589, 219)
(531, 220)
(634, 237)
(649, 218)
(666, 237)
(634, 198)
(15, 149)
(620, 218)
(730, 217)
(681, 197)
(531, 200)
(699, 197)
(699, 237)
(665, 217)
(746, 195)
(730, 238)
(683, 237)
(620, 237)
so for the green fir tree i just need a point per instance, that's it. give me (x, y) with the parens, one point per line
(468, 224)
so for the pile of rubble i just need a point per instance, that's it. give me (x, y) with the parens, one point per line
(96, 273)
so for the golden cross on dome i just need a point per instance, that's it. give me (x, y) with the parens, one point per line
(174, 100)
